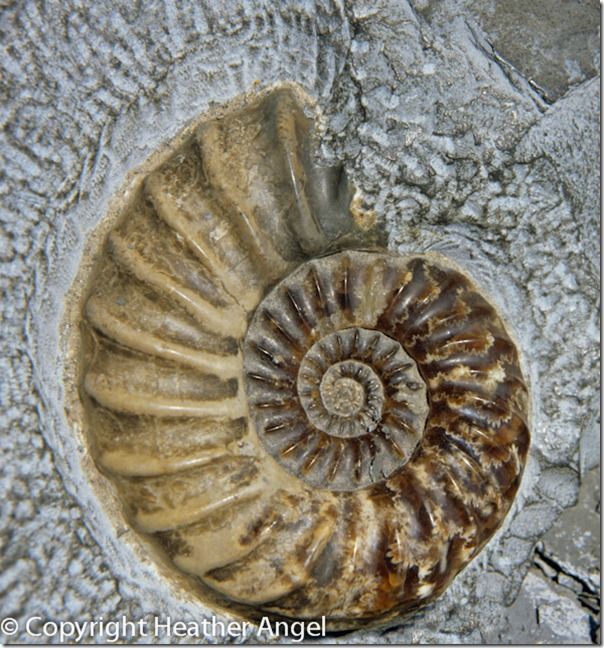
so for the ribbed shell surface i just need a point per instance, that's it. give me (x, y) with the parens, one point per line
(306, 428)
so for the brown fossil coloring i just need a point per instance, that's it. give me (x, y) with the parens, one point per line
(306, 423)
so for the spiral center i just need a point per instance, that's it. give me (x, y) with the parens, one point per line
(342, 396)
(351, 399)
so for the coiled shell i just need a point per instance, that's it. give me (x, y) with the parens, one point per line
(306, 428)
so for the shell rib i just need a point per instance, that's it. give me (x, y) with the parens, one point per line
(306, 428)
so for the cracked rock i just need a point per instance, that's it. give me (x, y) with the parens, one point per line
(545, 612)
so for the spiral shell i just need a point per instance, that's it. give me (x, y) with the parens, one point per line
(306, 428)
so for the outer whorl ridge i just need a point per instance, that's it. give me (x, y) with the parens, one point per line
(307, 429)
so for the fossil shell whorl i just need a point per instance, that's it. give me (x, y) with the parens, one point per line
(335, 400)
(306, 431)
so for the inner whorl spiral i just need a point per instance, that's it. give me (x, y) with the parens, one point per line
(358, 404)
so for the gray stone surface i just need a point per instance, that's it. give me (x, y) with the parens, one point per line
(559, 601)
(574, 541)
(450, 141)
(545, 613)
(554, 45)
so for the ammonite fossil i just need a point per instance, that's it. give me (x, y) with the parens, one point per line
(302, 421)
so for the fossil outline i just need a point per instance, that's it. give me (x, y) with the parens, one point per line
(207, 247)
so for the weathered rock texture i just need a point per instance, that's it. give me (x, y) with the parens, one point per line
(482, 153)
